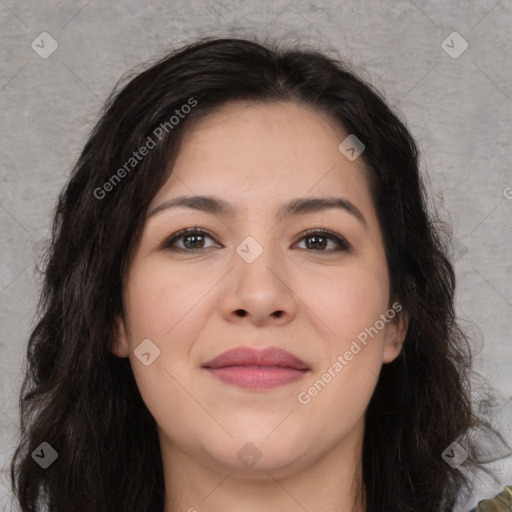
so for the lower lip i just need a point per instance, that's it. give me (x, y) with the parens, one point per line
(257, 377)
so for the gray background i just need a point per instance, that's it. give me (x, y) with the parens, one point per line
(459, 109)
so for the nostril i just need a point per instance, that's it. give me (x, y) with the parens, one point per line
(241, 312)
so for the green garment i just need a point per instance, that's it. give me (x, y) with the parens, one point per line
(502, 502)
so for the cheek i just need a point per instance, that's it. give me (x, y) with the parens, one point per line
(160, 300)
(166, 308)
(349, 301)
(362, 298)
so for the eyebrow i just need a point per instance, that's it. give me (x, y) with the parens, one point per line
(216, 206)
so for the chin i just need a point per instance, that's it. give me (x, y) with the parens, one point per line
(252, 456)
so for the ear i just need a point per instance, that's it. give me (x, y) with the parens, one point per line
(396, 329)
(120, 346)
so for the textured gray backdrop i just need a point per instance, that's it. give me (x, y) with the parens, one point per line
(457, 102)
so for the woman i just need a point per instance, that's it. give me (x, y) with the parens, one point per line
(247, 305)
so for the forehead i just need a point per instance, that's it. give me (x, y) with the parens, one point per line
(287, 128)
(265, 152)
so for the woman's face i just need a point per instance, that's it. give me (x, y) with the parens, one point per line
(256, 280)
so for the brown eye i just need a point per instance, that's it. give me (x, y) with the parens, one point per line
(191, 238)
(318, 239)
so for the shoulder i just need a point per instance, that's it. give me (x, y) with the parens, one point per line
(502, 502)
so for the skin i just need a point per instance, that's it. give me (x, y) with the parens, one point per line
(259, 156)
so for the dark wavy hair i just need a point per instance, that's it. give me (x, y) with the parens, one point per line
(83, 400)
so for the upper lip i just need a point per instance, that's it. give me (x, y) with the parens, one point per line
(247, 356)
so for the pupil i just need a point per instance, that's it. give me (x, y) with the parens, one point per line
(190, 237)
(316, 244)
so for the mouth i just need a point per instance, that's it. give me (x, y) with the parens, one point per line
(254, 369)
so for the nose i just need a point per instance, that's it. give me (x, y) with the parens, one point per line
(259, 291)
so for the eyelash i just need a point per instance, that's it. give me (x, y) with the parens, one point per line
(343, 245)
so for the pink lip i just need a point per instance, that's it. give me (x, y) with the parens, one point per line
(251, 368)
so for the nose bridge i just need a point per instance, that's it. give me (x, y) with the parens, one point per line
(257, 256)
(260, 289)
(260, 238)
